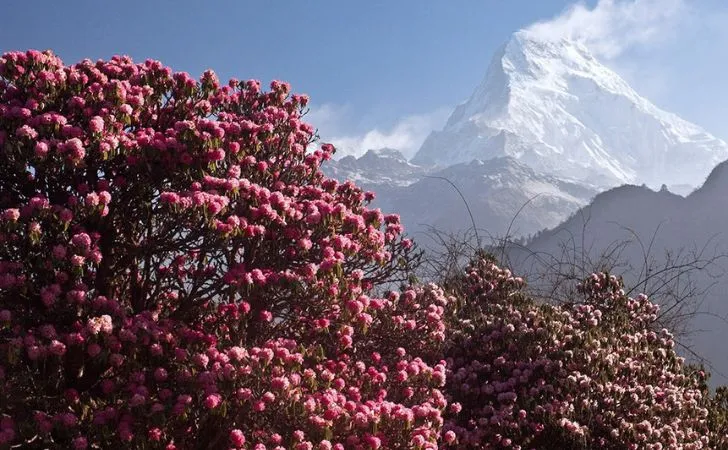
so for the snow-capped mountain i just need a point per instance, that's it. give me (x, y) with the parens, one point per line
(549, 126)
(378, 168)
(554, 107)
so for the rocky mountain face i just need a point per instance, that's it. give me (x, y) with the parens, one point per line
(384, 167)
(497, 192)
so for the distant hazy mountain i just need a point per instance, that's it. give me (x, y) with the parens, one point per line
(628, 222)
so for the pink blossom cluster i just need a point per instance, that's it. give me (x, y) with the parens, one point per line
(176, 272)
(590, 374)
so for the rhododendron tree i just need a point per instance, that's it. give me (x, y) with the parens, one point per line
(584, 375)
(176, 272)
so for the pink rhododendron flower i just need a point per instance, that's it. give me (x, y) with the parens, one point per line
(96, 124)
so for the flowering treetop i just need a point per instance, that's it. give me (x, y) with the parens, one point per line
(175, 271)
(586, 375)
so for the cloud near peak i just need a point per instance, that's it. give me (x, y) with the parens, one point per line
(405, 135)
(612, 27)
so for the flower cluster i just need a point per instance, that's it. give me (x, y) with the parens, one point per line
(592, 374)
(176, 272)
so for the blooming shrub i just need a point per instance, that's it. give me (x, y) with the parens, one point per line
(593, 374)
(176, 272)
(718, 417)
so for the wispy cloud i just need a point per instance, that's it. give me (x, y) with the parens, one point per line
(671, 51)
(405, 135)
(612, 27)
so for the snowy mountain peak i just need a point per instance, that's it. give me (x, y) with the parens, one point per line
(528, 58)
(553, 106)
(524, 51)
(388, 153)
(385, 167)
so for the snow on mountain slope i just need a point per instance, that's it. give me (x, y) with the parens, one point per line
(495, 190)
(379, 168)
(553, 106)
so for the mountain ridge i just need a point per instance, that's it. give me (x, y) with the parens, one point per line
(625, 227)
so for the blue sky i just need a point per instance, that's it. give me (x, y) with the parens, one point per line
(386, 72)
